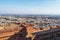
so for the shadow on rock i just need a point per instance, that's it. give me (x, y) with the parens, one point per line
(21, 35)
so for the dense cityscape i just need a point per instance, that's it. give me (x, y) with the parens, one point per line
(38, 22)
(29, 19)
(33, 25)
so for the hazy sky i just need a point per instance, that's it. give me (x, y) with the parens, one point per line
(30, 6)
